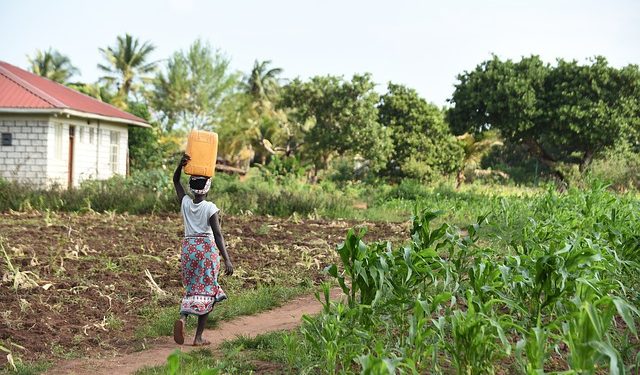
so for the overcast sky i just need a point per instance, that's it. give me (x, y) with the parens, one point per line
(423, 44)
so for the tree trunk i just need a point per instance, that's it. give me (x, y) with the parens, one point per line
(545, 158)
(459, 178)
(586, 160)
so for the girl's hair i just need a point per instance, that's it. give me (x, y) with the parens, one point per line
(197, 183)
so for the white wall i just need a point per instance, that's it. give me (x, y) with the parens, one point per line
(91, 160)
(105, 169)
(85, 152)
(26, 159)
(57, 154)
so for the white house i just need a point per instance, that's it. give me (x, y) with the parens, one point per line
(53, 135)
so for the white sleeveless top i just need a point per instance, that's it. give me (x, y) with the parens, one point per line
(196, 216)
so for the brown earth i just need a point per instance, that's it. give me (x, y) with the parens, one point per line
(87, 283)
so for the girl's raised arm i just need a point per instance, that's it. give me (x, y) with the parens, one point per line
(176, 177)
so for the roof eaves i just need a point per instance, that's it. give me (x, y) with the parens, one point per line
(71, 112)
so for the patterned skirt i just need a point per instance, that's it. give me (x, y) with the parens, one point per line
(200, 261)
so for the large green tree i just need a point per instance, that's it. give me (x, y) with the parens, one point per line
(423, 145)
(127, 64)
(192, 92)
(338, 118)
(145, 152)
(563, 114)
(53, 65)
(590, 108)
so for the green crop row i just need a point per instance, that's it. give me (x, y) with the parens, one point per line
(556, 289)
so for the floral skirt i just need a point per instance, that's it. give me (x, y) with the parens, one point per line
(200, 261)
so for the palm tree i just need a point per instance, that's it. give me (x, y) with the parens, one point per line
(263, 83)
(127, 62)
(265, 126)
(94, 90)
(53, 65)
(474, 150)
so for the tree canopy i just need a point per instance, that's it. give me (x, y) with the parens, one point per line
(127, 65)
(563, 114)
(192, 91)
(338, 118)
(263, 83)
(53, 65)
(552, 118)
(423, 145)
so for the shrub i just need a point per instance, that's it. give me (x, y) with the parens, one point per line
(619, 167)
(152, 192)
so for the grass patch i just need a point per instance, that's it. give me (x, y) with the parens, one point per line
(25, 368)
(160, 319)
(195, 362)
(279, 352)
(270, 353)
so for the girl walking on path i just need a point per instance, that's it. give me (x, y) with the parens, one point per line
(200, 257)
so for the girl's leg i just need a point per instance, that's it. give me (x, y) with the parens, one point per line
(202, 322)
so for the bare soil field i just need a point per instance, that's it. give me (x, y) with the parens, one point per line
(74, 284)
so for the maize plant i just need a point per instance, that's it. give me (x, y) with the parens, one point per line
(543, 285)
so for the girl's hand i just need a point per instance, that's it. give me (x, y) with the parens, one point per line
(185, 159)
(228, 268)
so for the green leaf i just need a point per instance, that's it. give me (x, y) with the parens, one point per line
(607, 350)
(501, 335)
(626, 310)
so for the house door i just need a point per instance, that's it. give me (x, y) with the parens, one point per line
(72, 131)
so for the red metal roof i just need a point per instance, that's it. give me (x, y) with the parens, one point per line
(23, 90)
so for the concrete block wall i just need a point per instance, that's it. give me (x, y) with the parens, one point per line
(26, 159)
(40, 150)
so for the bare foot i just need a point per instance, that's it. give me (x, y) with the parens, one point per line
(178, 331)
(201, 342)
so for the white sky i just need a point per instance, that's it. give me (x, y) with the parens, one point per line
(423, 44)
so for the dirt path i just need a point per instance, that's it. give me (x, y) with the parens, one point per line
(285, 317)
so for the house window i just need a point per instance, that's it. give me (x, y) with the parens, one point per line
(6, 139)
(91, 135)
(81, 131)
(115, 150)
(58, 140)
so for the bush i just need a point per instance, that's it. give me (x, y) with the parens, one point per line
(152, 192)
(619, 167)
(515, 161)
(409, 190)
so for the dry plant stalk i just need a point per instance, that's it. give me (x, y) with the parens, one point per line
(153, 285)
(20, 279)
(9, 357)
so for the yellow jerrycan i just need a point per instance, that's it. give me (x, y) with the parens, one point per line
(202, 147)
